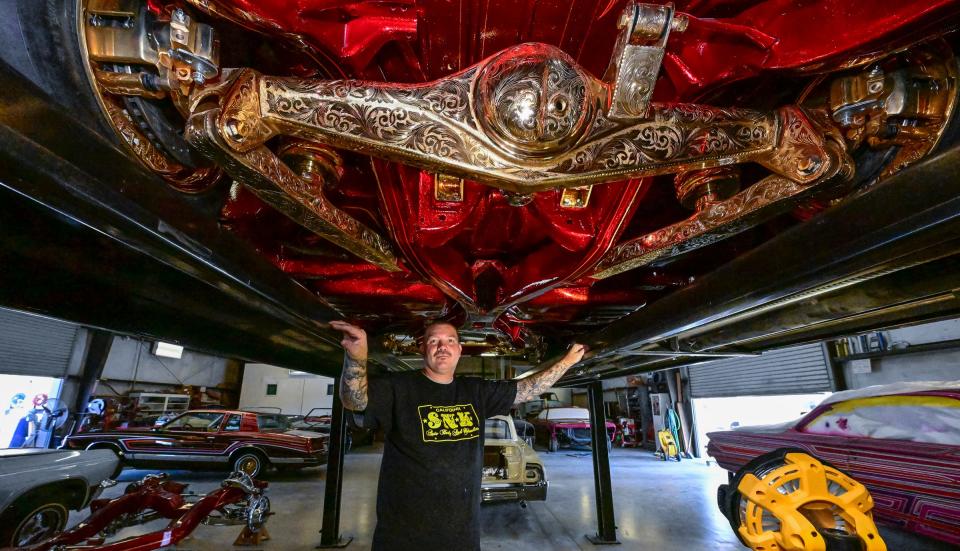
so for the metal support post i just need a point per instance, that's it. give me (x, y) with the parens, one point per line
(95, 358)
(606, 527)
(330, 530)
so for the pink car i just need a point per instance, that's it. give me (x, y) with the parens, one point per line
(568, 428)
(901, 441)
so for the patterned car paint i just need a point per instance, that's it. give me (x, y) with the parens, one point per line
(915, 485)
(146, 447)
(548, 429)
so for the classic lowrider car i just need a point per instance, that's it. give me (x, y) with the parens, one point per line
(900, 441)
(318, 420)
(512, 470)
(213, 439)
(39, 486)
(568, 427)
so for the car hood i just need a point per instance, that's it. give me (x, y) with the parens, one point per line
(95, 465)
(32, 453)
(774, 428)
(576, 423)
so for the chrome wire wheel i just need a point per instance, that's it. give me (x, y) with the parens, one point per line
(42, 523)
(249, 463)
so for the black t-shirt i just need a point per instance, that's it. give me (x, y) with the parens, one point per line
(429, 492)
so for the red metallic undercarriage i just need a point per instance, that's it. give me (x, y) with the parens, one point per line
(519, 273)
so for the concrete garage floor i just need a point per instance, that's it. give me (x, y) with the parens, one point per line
(659, 506)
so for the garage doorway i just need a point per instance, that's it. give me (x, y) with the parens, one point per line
(16, 401)
(716, 414)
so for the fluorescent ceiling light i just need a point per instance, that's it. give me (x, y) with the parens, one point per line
(167, 350)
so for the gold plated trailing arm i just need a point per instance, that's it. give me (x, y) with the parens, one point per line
(716, 220)
(298, 196)
(525, 120)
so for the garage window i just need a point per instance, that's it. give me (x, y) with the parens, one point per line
(271, 390)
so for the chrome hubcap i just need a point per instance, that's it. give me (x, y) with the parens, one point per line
(42, 525)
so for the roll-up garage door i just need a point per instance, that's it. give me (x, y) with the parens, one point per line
(32, 345)
(795, 370)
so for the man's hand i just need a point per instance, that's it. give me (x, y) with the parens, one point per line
(538, 383)
(353, 382)
(574, 354)
(354, 339)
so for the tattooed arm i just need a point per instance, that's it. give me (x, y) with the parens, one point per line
(353, 381)
(533, 386)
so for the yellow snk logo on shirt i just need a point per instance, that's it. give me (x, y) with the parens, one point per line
(449, 423)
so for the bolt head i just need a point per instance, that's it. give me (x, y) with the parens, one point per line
(233, 129)
(809, 165)
(679, 23)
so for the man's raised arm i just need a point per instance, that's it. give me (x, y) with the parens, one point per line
(533, 386)
(353, 381)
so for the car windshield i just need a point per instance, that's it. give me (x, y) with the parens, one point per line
(932, 419)
(272, 423)
(318, 415)
(497, 429)
(201, 421)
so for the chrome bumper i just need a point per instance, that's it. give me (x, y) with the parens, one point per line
(515, 492)
(316, 458)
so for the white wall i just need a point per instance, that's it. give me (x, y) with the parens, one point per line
(131, 365)
(297, 394)
(940, 365)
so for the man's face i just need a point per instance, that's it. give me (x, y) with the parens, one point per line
(441, 349)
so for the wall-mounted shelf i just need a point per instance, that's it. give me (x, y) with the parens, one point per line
(912, 349)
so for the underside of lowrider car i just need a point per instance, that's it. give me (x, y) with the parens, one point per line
(669, 183)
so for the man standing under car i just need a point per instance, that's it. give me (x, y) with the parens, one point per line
(429, 492)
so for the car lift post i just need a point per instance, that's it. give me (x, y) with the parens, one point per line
(330, 530)
(606, 528)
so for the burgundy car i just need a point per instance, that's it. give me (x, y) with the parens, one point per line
(901, 441)
(236, 440)
(567, 427)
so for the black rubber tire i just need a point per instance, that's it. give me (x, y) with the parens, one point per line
(252, 462)
(42, 515)
(553, 445)
(47, 51)
(52, 46)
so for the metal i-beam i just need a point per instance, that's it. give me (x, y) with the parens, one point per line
(98, 348)
(606, 526)
(330, 529)
(89, 236)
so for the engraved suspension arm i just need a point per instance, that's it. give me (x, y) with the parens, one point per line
(525, 120)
